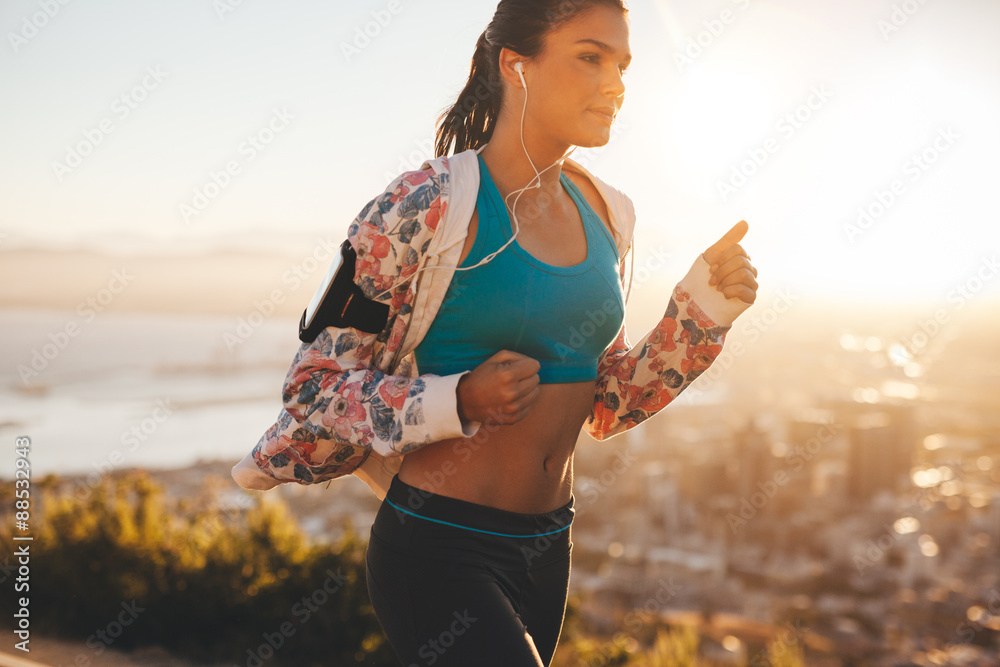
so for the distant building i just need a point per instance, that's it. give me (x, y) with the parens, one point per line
(661, 496)
(994, 525)
(809, 444)
(880, 452)
(704, 479)
(753, 457)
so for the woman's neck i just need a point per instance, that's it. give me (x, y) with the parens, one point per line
(510, 169)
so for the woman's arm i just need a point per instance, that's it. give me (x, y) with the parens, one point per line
(636, 382)
(334, 396)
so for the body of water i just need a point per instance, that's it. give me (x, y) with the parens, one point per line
(137, 390)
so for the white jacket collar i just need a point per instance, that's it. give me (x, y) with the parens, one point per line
(460, 190)
(463, 170)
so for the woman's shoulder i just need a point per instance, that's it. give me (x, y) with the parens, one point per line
(407, 195)
(592, 195)
(611, 202)
(615, 196)
(391, 232)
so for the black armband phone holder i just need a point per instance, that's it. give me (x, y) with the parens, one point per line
(339, 302)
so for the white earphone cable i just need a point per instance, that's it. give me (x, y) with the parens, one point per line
(537, 177)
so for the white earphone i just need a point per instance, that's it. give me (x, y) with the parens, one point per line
(519, 68)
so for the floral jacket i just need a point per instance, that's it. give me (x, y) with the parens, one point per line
(355, 403)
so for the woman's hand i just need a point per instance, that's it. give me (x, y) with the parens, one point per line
(732, 272)
(502, 389)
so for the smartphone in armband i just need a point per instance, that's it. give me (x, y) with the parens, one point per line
(339, 302)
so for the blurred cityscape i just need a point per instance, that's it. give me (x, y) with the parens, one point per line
(847, 486)
(827, 481)
(836, 483)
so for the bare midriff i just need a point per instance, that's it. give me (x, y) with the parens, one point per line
(526, 466)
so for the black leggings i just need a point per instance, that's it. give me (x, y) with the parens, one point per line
(461, 595)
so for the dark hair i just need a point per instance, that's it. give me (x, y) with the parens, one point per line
(520, 25)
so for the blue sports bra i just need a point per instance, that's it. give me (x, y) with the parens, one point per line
(563, 316)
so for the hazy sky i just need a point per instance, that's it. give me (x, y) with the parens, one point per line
(114, 113)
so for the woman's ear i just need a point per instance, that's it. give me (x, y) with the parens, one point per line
(512, 67)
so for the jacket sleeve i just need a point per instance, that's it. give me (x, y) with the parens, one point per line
(333, 394)
(634, 382)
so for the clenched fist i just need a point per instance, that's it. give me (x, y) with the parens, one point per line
(502, 388)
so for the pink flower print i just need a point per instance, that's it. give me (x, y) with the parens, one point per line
(664, 334)
(345, 411)
(370, 253)
(699, 358)
(394, 393)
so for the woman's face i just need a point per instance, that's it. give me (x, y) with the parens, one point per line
(578, 72)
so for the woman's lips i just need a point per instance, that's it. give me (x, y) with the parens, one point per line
(604, 114)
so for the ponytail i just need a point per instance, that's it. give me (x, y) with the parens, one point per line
(470, 121)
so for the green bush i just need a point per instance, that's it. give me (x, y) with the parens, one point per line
(213, 586)
(206, 585)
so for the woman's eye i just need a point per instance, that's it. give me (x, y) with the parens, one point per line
(596, 59)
